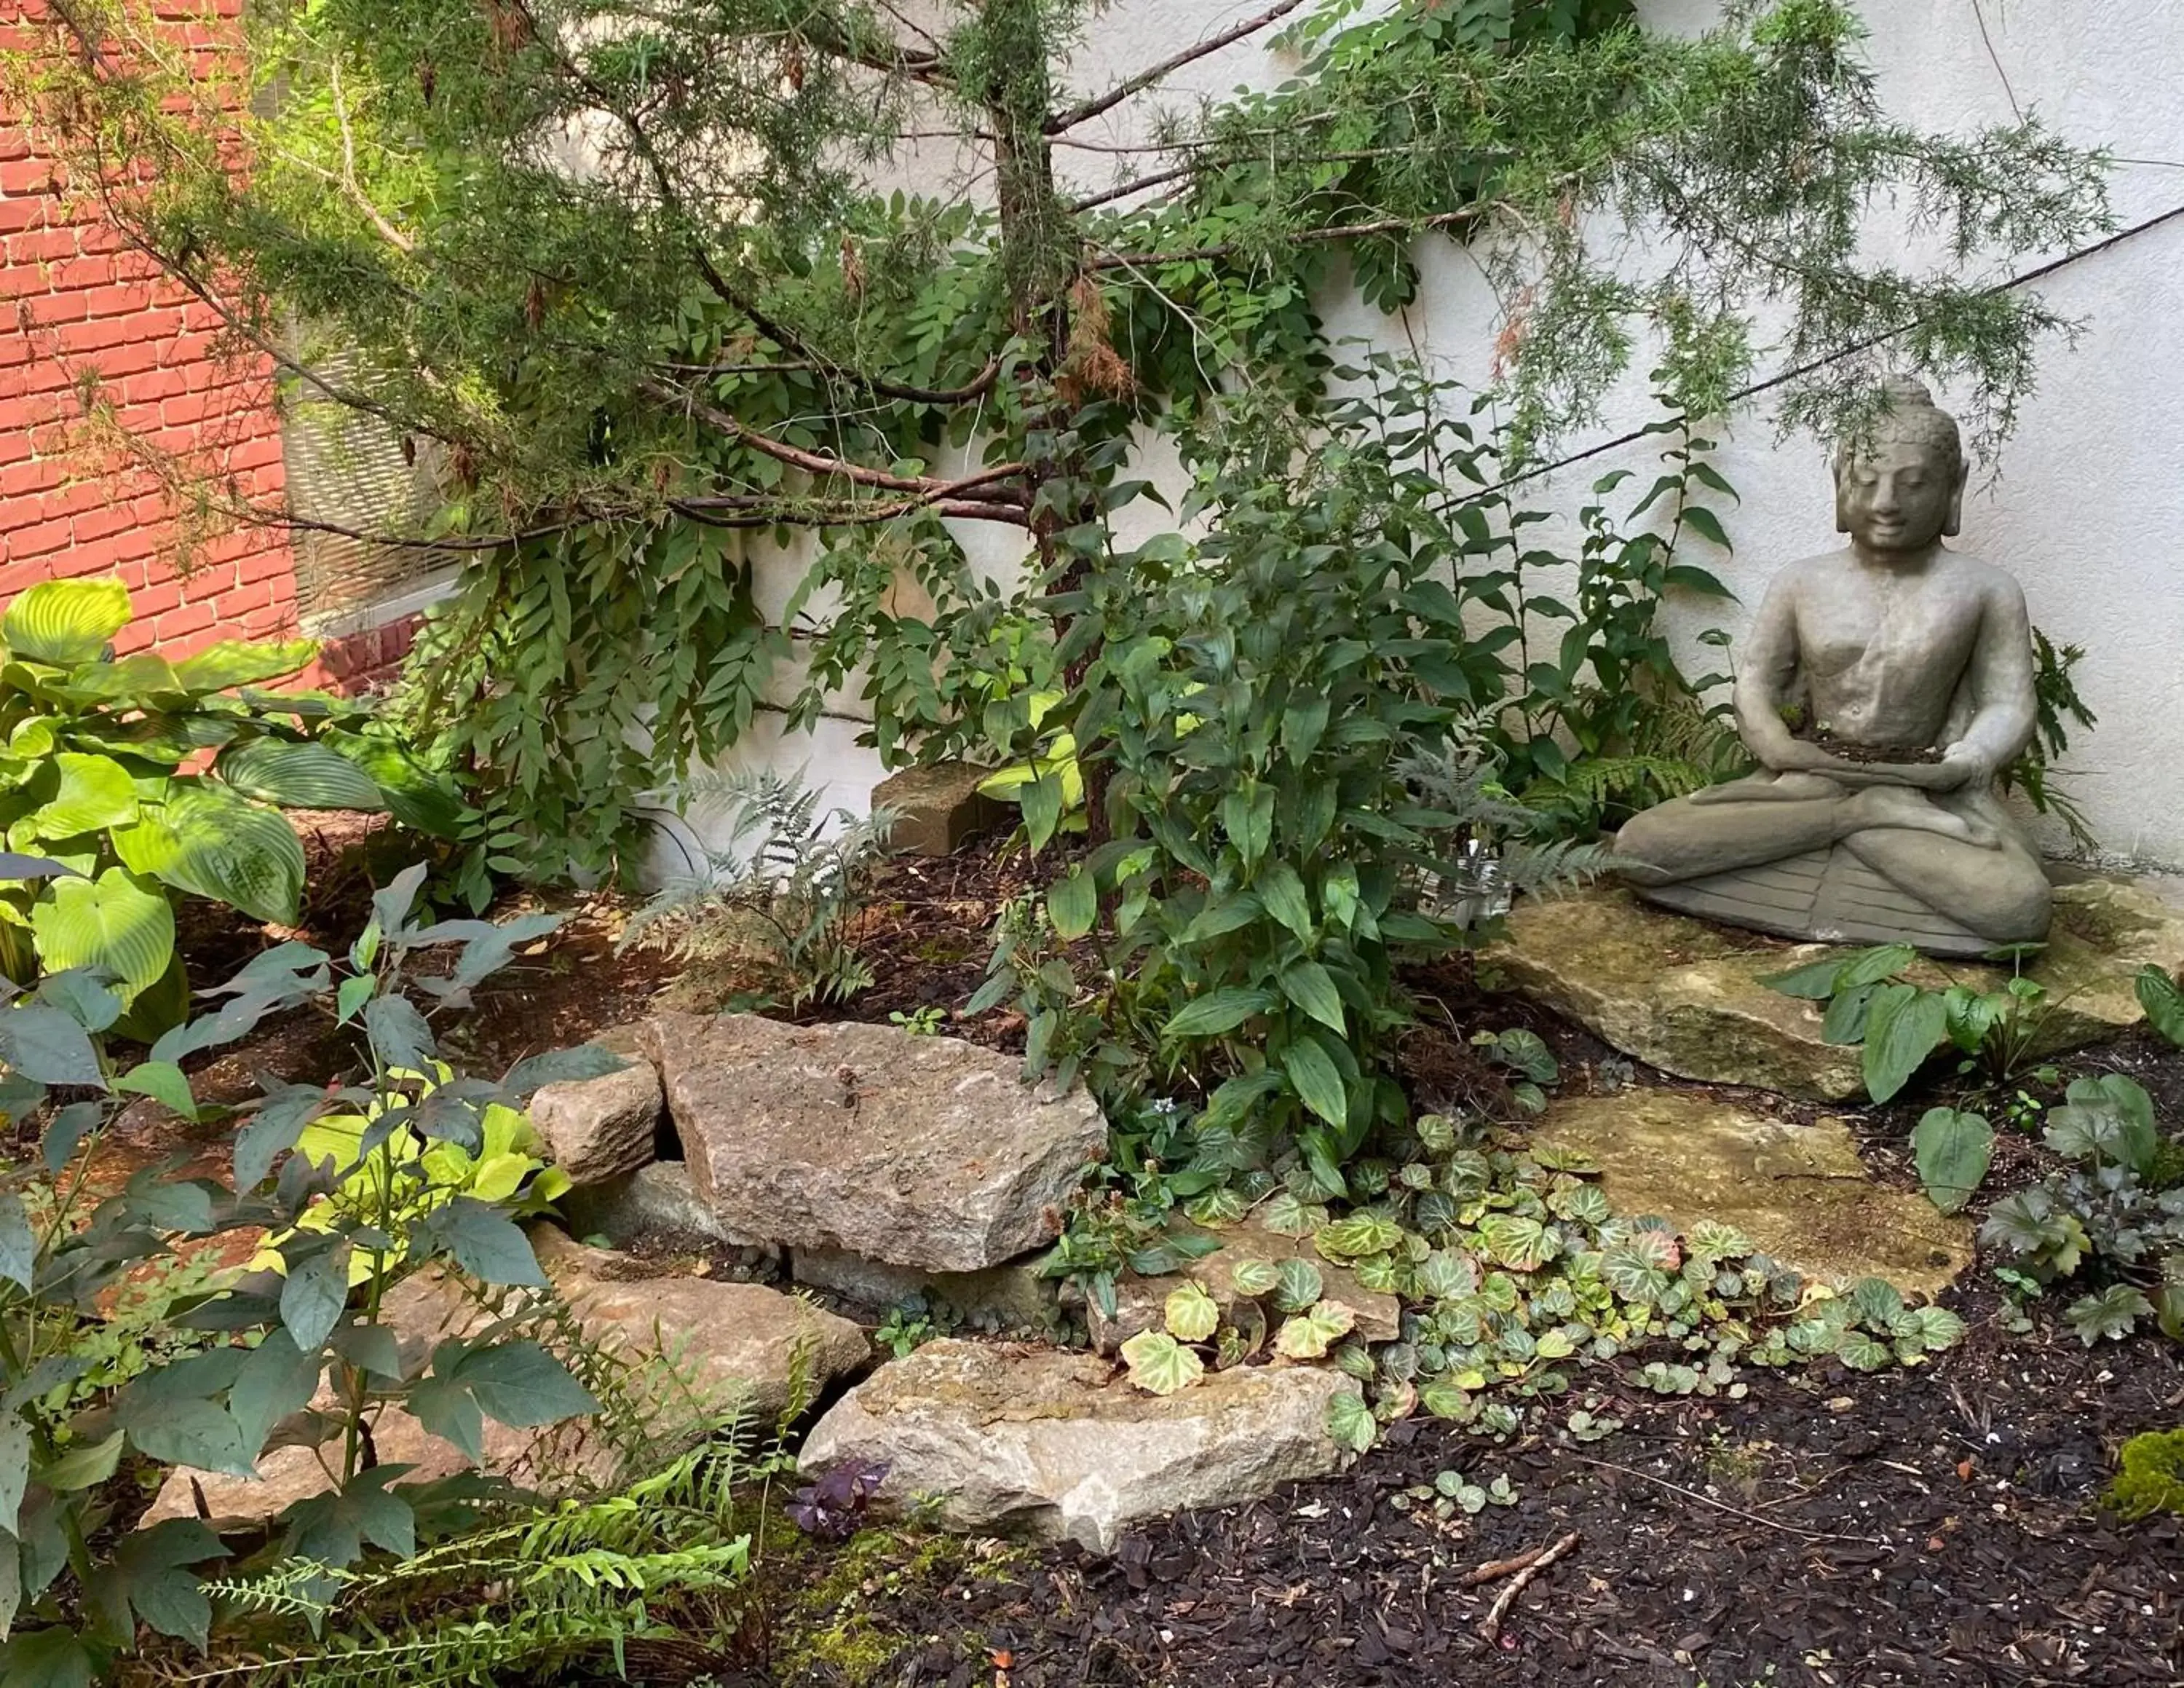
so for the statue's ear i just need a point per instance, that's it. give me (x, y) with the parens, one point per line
(1956, 517)
(1842, 502)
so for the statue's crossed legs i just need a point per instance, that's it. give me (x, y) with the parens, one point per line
(1959, 855)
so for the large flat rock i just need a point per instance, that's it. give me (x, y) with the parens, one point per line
(702, 1352)
(925, 1152)
(1684, 995)
(1053, 1444)
(1799, 1192)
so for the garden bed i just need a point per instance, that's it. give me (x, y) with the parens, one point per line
(1932, 1525)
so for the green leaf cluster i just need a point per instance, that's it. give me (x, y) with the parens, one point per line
(2102, 1213)
(352, 1186)
(125, 780)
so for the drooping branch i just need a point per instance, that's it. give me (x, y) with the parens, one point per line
(926, 489)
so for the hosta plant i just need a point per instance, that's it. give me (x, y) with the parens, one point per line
(299, 1358)
(124, 781)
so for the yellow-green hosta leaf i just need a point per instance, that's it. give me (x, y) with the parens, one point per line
(1160, 1365)
(115, 922)
(1191, 1314)
(65, 622)
(95, 792)
(1311, 1333)
(210, 842)
(499, 1176)
(232, 662)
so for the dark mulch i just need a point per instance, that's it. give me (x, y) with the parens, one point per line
(1932, 1526)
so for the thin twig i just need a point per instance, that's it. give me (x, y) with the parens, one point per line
(1489, 1627)
(1723, 1506)
(1495, 1569)
(1153, 73)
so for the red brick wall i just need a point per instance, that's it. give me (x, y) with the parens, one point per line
(74, 302)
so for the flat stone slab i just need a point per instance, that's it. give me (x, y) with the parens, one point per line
(925, 1152)
(1684, 995)
(1799, 1192)
(1056, 1444)
(704, 1351)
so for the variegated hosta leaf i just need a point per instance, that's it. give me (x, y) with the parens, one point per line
(1159, 1364)
(1522, 1244)
(1191, 1314)
(1311, 1333)
(1710, 1241)
(1444, 1399)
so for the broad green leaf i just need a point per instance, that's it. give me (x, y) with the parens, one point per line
(47, 1045)
(51, 1657)
(1282, 892)
(1953, 1149)
(315, 1296)
(2164, 1002)
(86, 1465)
(1318, 1083)
(1311, 988)
(19, 1245)
(164, 1083)
(421, 800)
(95, 792)
(332, 1529)
(1159, 1364)
(208, 841)
(65, 622)
(2109, 1121)
(486, 1243)
(114, 922)
(1190, 1314)
(277, 1379)
(2113, 1314)
(1217, 1011)
(1308, 1335)
(521, 1385)
(297, 774)
(233, 662)
(1072, 903)
(1877, 1301)
(1905, 1026)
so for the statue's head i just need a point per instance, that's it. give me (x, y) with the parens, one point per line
(1905, 489)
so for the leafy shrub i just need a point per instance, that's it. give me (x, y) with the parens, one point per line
(2104, 1211)
(108, 809)
(264, 1353)
(778, 898)
(2150, 1476)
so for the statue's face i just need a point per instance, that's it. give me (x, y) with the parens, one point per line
(1899, 495)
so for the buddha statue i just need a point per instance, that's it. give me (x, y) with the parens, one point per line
(1907, 669)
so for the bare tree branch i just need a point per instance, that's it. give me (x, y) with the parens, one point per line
(1145, 79)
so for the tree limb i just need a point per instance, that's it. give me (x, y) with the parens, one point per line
(1145, 79)
(1121, 261)
(929, 488)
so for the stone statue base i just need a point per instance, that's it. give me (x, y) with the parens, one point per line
(1829, 894)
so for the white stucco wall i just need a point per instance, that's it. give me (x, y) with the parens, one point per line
(2087, 503)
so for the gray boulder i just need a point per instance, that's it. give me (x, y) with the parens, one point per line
(1056, 1444)
(925, 1152)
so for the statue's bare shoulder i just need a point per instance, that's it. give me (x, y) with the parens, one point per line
(1996, 586)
